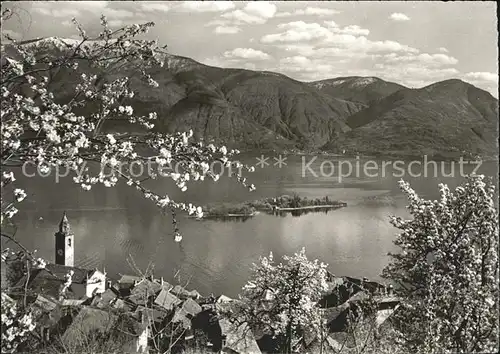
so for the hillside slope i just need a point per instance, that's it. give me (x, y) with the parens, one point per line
(240, 105)
(448, 118)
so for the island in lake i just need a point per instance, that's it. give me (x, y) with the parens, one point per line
(279, 205)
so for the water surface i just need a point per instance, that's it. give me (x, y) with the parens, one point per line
(114, 225)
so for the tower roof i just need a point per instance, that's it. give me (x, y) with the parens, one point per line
(64, 226)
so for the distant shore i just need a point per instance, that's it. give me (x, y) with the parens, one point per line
(438, 157)
(331, 206)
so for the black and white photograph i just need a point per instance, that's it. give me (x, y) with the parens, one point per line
(249, 177)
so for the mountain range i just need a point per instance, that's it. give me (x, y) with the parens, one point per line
(362, 115)
(353, 115)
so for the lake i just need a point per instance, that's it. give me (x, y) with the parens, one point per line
(114, 225)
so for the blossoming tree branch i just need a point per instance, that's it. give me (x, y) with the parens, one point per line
(55, 124)
(57, 95)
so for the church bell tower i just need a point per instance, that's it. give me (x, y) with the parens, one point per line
(65, 245)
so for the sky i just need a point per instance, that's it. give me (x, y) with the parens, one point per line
(411, 43)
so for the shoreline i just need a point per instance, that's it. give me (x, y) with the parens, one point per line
(230, 215)
(438, 157)
(329, 206)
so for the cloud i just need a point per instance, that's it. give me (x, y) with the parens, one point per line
(247, 53)
(255, 12)
(398, 16)
(250, 66)
(414, 75)
(443, 50)
(301, 49)
(116, 13)
(61, 9)
(346, 39)
(217, 23)
(284, 14)
(319, 66)
(296, 32)
(261, 9)
(331, 24)
(364, 44)
(313, 11)
(48, 10)
(355, 30)
(240, 16)
(318, 51)
(116, 23)
(416, 70)
(351, 29)
(155, 6)
(482, 76)
(304, 65)
(205, 6)
(320, 11)
(227, 29)
(425, 58)
(295, 60)
(65, 9)
(309, 69)
(327, 53)
(94, 6)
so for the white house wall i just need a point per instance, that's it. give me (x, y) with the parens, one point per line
(96, 284)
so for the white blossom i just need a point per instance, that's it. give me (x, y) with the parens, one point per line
(19, 194)
(285, 294)
(129, 110)
(8, 177)
(67, 137)
(111, 139)
(449, 254)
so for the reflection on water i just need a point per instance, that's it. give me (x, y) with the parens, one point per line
(300, 212)
(114, 224)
